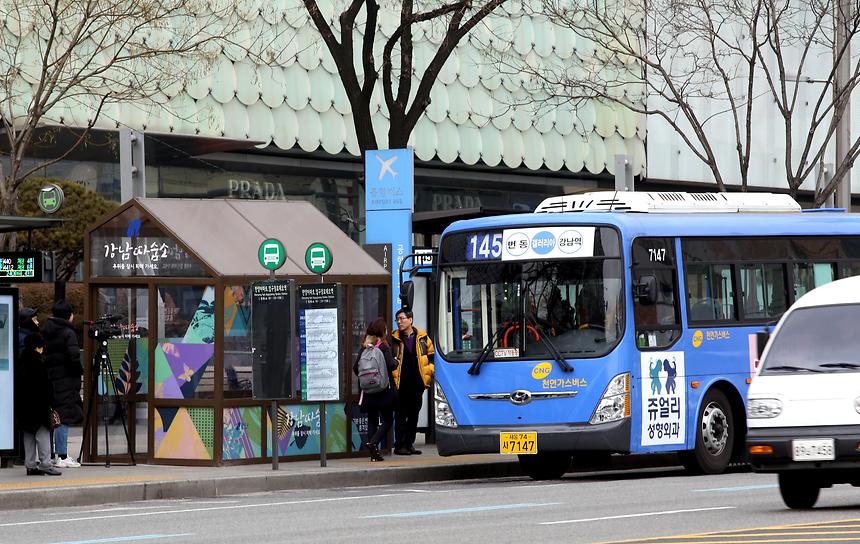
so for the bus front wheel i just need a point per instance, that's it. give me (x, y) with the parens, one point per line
(715, 436)
(545, 466)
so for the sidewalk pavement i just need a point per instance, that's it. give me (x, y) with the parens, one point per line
(96, 484)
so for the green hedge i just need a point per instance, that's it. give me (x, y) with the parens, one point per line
(41, 297)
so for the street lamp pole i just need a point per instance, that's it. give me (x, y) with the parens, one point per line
(843, 75)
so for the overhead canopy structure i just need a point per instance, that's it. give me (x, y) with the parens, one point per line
(14, 223)
(225, 235)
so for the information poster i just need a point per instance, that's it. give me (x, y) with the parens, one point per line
(319, 341)
(272, 331)
(7, 372)
(663, 398)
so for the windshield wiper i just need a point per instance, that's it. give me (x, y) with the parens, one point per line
(839, 365)
(475, 369)
(790, 367)
(549, 345)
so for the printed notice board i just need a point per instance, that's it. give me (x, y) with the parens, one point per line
(319, 341)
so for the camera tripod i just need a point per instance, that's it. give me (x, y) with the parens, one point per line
(101, 368)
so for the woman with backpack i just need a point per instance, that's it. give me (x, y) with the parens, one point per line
(378, 394)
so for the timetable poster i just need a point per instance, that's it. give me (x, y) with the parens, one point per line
(319, 341)
(7, 373)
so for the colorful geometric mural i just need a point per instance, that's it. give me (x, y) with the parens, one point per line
(242, 433)
(237, 310)
(299, 429)
(179, 368)
(180, 363)
(132, 371)
(202, 327)
(184, 433)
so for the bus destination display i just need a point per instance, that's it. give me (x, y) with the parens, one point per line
(484, 247)
(20, 266)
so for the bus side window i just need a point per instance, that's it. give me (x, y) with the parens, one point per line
(656, 315)
(710, 293)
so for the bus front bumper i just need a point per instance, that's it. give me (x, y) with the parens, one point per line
(612, 437)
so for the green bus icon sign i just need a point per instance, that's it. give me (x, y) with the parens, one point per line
(50, 198)
(318, 258)
(272, 254)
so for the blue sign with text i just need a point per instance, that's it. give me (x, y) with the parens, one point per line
(388, 200)
(388, 175)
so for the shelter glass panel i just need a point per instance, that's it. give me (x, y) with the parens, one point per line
(132, 245)
(367, 304)
(123, 313)
(185, 350)
(238, 352)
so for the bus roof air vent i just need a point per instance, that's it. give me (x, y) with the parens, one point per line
(669, 202)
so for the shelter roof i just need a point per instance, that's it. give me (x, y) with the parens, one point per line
(226, 234)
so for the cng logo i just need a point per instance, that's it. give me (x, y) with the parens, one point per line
(542, 370)
(697, 338)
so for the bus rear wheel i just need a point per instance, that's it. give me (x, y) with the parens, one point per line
(545, 466)
(715, 436)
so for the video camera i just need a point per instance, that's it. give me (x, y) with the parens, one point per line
(105, 326)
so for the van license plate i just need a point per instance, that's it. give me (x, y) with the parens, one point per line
(813, 450)
(518, 443)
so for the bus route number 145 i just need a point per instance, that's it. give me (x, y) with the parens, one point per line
(518, 443)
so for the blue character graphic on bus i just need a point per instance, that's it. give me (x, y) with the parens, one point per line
(663, 417)
(654, 372)
(671, 371)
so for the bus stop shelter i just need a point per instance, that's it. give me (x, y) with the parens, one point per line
(176, 274)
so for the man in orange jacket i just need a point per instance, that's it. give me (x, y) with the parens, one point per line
(413, 350)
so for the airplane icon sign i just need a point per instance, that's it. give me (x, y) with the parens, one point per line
(385, 166)
(389, 179)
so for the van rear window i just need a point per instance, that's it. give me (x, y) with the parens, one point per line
(816, 339)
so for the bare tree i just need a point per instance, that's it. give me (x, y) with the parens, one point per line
(405, 106)
(61, 58)
(694, 63)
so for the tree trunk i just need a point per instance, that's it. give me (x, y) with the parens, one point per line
(59, 290)
(8, 207)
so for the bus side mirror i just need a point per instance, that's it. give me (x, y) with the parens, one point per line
(407, 293)
(645, 291)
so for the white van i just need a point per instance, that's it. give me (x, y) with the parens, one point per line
(803, 405)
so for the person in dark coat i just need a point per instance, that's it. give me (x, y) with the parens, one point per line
(63, 363)
(380, 404)
(35, 397)
(28, 323)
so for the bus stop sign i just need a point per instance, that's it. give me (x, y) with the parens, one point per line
(318, 258)
(272, 254)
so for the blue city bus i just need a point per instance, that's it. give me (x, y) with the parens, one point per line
(620, 322)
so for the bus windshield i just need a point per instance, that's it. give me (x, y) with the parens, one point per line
(576, 304)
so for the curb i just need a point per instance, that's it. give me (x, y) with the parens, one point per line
(21, 499)
(88, 495)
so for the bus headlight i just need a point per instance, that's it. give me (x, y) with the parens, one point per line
(615, 402)
(444, 415)
(763, 408)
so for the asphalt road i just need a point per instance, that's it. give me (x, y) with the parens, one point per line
(639, 505)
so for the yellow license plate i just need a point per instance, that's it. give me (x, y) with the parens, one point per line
(518, 443)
